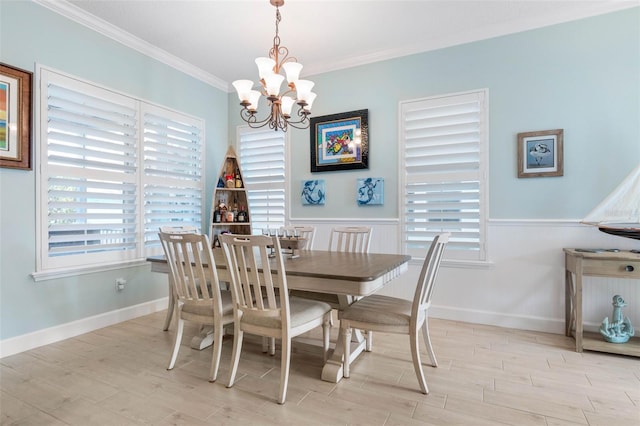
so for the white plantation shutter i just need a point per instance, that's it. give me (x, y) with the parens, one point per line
(444, 140)
(262, 159)
(91, 169)
(173, 163)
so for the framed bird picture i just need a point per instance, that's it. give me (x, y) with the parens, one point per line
(540, 153)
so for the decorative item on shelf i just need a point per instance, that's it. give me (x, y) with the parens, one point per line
(291, 245)
(618, 214)
(619, 330)
(222, 208)
(242, 214)
(280, 104)
(238, 179)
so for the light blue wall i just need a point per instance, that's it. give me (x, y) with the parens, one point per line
(31, 34)
(582, 76)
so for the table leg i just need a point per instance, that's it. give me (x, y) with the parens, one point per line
(332, 370)
(577, 308)
(568, 302)
(203, 339)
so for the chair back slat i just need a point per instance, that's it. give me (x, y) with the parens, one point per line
(258, 283)
(350, 239)
(429, 273)
(188, 257)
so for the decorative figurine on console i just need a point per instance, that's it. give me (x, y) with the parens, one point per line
(619, 330)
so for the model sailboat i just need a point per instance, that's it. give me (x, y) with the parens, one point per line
(619, 213)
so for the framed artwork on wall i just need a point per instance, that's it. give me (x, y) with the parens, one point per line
(313, 192)
(370, 191)
(15, 117)
(540, 153)
(340, 141)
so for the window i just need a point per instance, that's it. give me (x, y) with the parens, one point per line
(444, 141)
(112, 170)
(262, 159)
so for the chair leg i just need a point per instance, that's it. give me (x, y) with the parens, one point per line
(427, 342)
(235, 356)
(347, 351)
(284, 373)
(176, 345)
(417, 365)
(217, 351)
(170, 308)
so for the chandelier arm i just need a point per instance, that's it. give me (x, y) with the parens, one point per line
(251, 119)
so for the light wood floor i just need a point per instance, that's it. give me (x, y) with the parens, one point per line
(487, 376)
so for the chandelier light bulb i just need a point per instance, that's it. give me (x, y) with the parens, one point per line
(292, 69)
(254, 98)
(243, 87)
(272, 83)
(310, 99)
(303, 89)
(265, 66)
(287, 104)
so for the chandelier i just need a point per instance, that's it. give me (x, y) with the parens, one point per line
(280, 104)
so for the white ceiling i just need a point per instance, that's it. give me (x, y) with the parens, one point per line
(217, 40)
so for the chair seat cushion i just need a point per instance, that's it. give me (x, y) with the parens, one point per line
(301, 312)
(207, 309)
(378, 309)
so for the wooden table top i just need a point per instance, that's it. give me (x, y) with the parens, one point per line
(604, 254)
(361, 267)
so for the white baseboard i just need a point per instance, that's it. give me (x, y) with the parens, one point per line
(50, 335)
(521, 322)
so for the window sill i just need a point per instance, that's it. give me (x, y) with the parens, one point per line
(72, 272)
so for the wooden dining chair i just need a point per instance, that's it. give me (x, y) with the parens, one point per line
(197, 290)
(393, 315)
(261, 302)
(350, 239)
(184, 229)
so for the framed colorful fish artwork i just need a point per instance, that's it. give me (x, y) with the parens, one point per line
(340, 141)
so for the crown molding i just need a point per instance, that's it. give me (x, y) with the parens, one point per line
(505, 28)
(101, 26)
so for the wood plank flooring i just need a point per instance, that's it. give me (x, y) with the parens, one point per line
(487, 376)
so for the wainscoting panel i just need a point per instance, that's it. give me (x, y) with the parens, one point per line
(521, 285)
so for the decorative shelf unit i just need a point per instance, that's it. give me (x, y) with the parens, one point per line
(230, 192)
(620, 264)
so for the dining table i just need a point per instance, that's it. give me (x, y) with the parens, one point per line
(347, 276)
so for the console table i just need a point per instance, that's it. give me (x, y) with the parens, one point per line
(612, 264)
